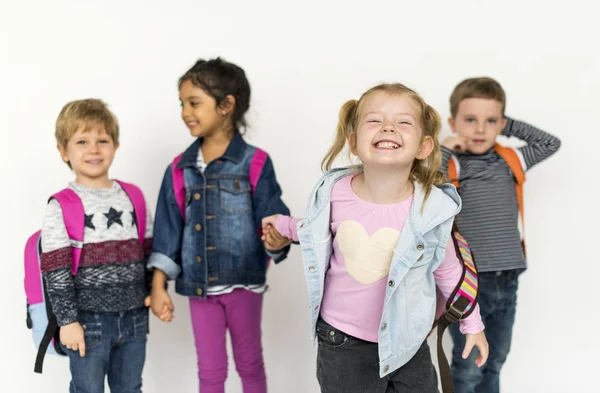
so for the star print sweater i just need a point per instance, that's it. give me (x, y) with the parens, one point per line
(112, 270)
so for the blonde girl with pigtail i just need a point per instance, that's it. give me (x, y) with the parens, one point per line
(376, 243)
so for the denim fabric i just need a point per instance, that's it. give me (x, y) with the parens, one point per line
(219, 242)
(497, 301)
(115, 348)
(346, 364)
(410, 297)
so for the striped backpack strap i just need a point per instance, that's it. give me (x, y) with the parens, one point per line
(517, 166)
(453, 170)
(460, 304)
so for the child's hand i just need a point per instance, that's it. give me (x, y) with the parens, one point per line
(161, 304)
(72, 337)
(455, 143)
(477, 340)
(273, 239)
(269, 222)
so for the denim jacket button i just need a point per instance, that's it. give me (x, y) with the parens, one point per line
(386, 369)
(198, 259)
(197, 196)
(391, 283)
(198, 227)
(311, 268)
(301, 225)
(420, 258)
(420, 247)
(384, 326)
(199, 291)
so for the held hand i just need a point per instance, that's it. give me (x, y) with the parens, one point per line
(477, 340)
(161, 304)
(274, 240)
(72, 337)
(269, 221)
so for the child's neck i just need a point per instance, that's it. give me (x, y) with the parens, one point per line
(383, 187)
(215, 145)
(95, 183)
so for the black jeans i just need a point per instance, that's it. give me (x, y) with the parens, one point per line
(346, 364)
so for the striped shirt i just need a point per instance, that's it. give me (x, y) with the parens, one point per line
(490, 213)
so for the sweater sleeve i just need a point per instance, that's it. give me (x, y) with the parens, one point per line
(56, 260)
(540, 144)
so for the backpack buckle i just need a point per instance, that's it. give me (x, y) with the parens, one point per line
(452, 314)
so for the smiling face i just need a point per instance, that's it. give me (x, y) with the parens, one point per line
(90, 153)
(200, 111)
(478, 122)
(389, 132)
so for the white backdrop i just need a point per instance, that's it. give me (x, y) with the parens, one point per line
(304, 59)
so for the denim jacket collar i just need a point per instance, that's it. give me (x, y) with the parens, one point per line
(443, 202)
(234, 152)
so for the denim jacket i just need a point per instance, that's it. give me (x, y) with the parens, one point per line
(410, 298)
(219, 242)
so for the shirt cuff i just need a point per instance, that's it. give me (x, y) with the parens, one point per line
(164, 263)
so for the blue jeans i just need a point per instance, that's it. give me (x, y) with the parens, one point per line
(115, 347)
(497, 301)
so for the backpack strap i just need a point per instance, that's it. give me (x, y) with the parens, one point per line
(516, 163)
(74, 218)
(454, 170)
(460, 304)
(178, 184)
(139, 207)
(256, 166)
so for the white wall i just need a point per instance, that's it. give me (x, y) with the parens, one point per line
(304, 60)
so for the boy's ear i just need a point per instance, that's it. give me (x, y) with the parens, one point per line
(227, 105)
(502, 124)
(63, 153)
(451, 124)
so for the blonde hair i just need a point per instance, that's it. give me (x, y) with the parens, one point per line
(424, 171)
(477, 88)
(85, 113)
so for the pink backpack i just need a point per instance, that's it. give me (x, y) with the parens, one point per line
(40, 318)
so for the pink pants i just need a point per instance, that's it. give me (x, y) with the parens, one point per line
(240, 311)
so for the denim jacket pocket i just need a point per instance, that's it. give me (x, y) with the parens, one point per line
(235, 195)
